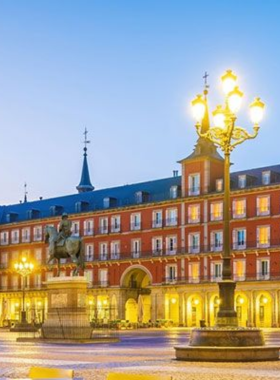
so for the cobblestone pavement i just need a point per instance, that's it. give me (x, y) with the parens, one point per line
(142, 351)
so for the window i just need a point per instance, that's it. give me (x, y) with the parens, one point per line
(263, 269)
(88, 274)
(103, 251)
(4, 260)
(174, 192)
(194, 214)
(14, 281)
(157, 246)
(136, 247)
(103, 225)
(103, 277)
(239, 208)
(15, 256)
(171, 217)
(37, 233)
(25, 235)
(242, 181)
(216, 241)
(171, 273)
(266, 177)
(239, 270)
(263, 205)
(194, 242)
(89, 252)
(239, 238)
(88, 227)
(219, 185)
(216, 271)
(171, 245)
(263, 236)
(4, 282)
(15, 236)
(135, 222)
(194, 184)
(216, 210)
(37, 280)
(75, 228)
(115, 250)
(4, 236)
(116, 223)
(194, 272)
(38, 255)
(157, 219)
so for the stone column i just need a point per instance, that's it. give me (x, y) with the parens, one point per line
(274, 304)
(181, 309)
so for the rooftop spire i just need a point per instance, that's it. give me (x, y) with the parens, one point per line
(25, 192)
(205, 124)
(85, 184)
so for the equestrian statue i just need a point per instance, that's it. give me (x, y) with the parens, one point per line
(62, 245)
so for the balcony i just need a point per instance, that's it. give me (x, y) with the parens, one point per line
(115, 228)
(216, 216)
(89, 232)
(4, 241)
(135, 226)
(103, 230)
(193, 191)
(157, 224)
(263, 211)
(171, 222)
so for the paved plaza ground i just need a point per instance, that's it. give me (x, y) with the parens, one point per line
(140, 351)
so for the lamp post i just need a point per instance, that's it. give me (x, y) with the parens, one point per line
(227, 135)
(24, 269)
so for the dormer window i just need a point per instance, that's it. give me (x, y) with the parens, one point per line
(141, 197)
(33, 214)
(81, 206)
(109, 202)
(242, 181)
(56, 210)
(194, 184)
(219, 184)
(11, 217)
(174, 192)
(266, 177)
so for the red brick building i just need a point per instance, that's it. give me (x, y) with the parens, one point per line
(153, 250)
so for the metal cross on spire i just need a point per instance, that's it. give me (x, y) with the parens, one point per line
(86, 141)
(206, 85)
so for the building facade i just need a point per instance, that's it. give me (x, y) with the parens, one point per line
(153, 250)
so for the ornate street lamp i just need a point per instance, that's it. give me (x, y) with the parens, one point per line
(24, 269)
(227, 135)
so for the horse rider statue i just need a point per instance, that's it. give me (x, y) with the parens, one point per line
(64, 230)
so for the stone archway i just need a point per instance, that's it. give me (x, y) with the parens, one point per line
(137, 295)
(264, 310)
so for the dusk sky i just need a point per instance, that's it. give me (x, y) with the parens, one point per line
(126, 70)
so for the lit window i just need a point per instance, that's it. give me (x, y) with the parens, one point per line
(241, 181)
(239, 270)
(194, 272)
(263, 205)
(194, 213)
(219, 184)
(266, 178)
(239, 208)
(194, 184)
(217, 211)
(263, 237)
(239, 238)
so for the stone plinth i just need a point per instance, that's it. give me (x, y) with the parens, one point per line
(227, 344)
(67, 316)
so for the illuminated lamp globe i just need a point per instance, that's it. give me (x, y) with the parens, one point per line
(256, 111)
(198, 108)
(234, 100)
(219, 117)
(229, 81)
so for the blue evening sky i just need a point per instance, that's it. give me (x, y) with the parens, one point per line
(127, 70)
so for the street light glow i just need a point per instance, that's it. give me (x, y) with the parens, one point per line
(228, 81)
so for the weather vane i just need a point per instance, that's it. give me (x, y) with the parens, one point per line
(86, 141)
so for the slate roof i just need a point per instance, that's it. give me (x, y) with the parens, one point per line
(158, 190)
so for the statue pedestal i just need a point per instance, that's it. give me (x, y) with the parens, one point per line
(67, 315)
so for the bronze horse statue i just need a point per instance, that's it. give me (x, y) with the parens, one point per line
(73, 248)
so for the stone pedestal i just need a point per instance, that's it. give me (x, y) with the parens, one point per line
(67, 315)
